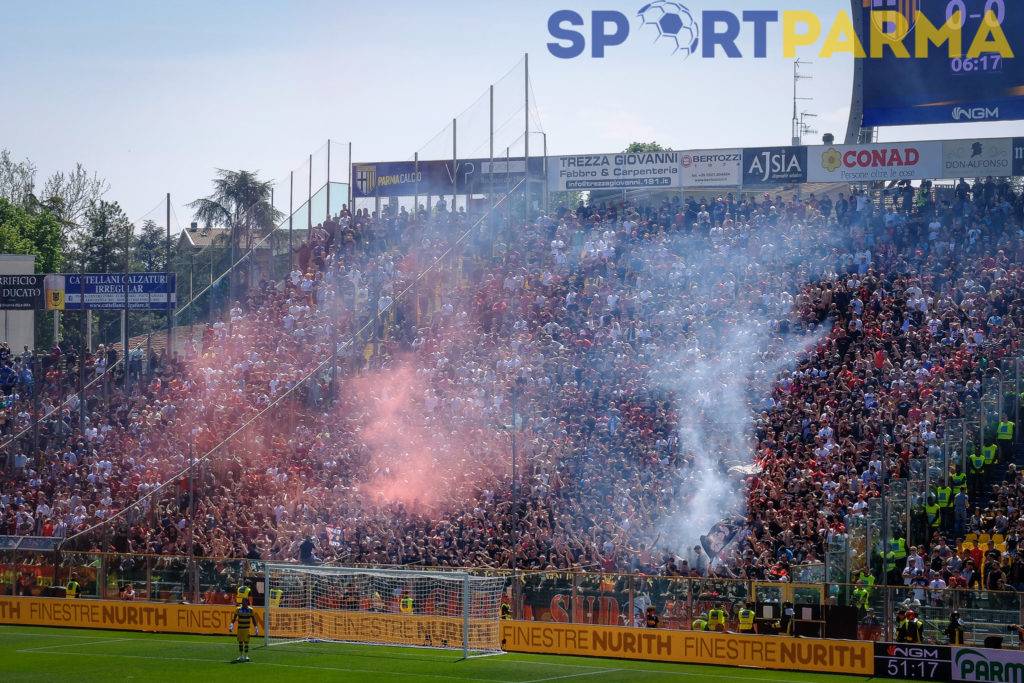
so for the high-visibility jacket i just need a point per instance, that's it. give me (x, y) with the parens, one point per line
(958, 482)
(990, 451)
(898, 546)
(746, 618)
(932, 511)
(1005, 431)
(867, 578)
(943, 496)
(276, 594)
(241, 594)
(861, 595)
(405, 605)
(71, 590)
(716, 617)
(977, 463)
(699, 625)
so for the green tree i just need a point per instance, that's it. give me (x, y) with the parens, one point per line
(240, 202)
(636, 147)
(107, 240)
(26, 232)
(151, 251)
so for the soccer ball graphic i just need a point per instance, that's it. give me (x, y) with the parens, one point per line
(674, 23)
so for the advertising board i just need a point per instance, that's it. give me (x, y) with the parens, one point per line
(774, 166)
(712, 168)
(654, 170)
(875, 162)
(977, 158)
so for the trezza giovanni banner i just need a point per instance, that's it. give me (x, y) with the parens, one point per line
(982, 84)
(437, 177)
(654, 170)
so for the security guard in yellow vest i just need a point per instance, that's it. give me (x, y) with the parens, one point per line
(866, 579)
(276, 595)
(242, 593)
(71, 590)
(989, 452)
(943, 496)
(933, 510)
(716, 619)
(405, 605)
(861, 598)
(700, 623)
(976, 466)
(1004, 435)
(958, 480)
(746, 620)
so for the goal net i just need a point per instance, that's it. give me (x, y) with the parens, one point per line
(404, 607)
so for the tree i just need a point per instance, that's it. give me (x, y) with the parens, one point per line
(70, 195)
(636, 147)
(241, 203)
(24, 232)
(17, 179)
(151, 252)
(65, 195)
(106, 241)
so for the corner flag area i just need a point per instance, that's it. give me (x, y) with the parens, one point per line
(35, 654)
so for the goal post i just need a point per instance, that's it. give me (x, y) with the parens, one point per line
(402, 607)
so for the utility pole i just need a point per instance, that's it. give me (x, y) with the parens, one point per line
(797, 77)
(169, 353)
(526, 136)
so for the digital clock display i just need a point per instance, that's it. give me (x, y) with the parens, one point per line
(982, 64)
(914, 662)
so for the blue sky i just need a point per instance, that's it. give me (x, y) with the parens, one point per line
(155, 96)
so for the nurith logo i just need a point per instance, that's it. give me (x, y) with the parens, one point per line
(976, 666)
(975, 113)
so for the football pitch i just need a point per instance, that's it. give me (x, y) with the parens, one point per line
(48, 654)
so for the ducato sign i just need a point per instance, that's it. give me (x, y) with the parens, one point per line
(988, 666)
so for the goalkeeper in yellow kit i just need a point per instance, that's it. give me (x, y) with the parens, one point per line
(245, 620)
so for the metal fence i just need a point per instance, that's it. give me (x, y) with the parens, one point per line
(554, 596)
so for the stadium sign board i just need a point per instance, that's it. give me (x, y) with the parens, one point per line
(437, 177)
(1018, 156)
(914, 662)
(712, 168)
(652, 170)
(876, 162)
(977, 158)
(21, 292)
(106, 291)
(774, 166)
(981, 665)
(939, 88)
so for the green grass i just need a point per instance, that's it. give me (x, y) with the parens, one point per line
(47, 654)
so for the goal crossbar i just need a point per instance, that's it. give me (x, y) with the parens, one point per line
(401, 607)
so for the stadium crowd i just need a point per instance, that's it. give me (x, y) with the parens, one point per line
(602, 340)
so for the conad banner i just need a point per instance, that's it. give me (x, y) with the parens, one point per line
(689, 647)
(988, 666)
(977, 158)
(651, 170)
(117, 615)
(865, 163)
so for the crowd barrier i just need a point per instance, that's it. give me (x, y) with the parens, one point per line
(881, 660)
(689, 647)
(151, 617)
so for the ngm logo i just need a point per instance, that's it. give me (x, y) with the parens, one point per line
(684, 32)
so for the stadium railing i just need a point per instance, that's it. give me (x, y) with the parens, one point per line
(610, 599)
